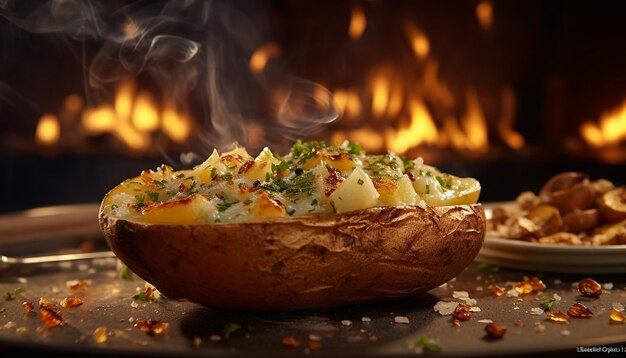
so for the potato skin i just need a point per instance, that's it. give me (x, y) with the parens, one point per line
(306, 262)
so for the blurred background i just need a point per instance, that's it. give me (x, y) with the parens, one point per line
(509, 92)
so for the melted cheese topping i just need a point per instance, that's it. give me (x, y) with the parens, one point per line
(312, 178)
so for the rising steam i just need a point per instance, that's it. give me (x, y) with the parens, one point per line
(197, 51)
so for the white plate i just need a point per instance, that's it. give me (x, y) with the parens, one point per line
(525, 255)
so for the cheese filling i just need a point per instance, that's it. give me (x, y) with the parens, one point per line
(313, 178)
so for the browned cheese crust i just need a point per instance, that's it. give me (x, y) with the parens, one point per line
(306, 262)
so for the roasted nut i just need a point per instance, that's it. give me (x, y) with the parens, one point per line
(527, 200)
(581, 220)
(561, 238)
(612, 205)
(601, 186)
(610, 234)
(590, 288)
(568, 191)
(495, 330)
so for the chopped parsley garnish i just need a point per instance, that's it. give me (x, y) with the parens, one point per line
(354, 148)
(546, 304)
(221, 207)
(141, 296)
(428, 345)
(126, 273)
(445, 183)
(230, 328)
(140, 199)
(154, 196)
(226, 177)
(11, 295)
(179, 176)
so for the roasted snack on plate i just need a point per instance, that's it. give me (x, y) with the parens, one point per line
(570, 209)
(321, 226)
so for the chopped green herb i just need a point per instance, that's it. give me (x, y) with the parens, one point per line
(230, 328)
(11, 295)
(226, 177)
(354, 148)
(428, 345)
(487, 267)
(445, 183)
(546, 304)
(182, 175)
(126, 273)
(141, 296)
(221, 207)
(153, 195)
(141, 200)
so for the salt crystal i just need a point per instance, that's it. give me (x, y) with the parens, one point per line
(556, 297)
(536, 311)
(314, 337)
(608, 286)
(485, 321)
(401, 319)
(134, 304)
(512, 293)
(475, 309)
(618, 306)
(445, 308)
(215, 337)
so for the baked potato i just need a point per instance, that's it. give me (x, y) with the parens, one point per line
(319, 227)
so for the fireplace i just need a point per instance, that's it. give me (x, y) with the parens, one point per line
(508, 92)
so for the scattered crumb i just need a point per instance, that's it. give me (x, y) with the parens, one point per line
(536, 311)
(346, 322)
(445, 307)
(314, 337)
(22, 280)
(366, 319)
(134, 304)
(512, 293)
(464, 296)
(618, 306)
(556, 297)
(565, 332)
(515, 307)
(607, 286)
(475, 309)
(539, 328)
(401, 319)
(485, 321)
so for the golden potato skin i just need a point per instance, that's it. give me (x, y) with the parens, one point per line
(306, 262)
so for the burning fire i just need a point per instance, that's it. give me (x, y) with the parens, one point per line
(133, 118)
(609, 131)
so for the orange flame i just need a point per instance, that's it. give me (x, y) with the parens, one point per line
(484, 14)
(133, 116)
(474, 123)
(48, 130)
(260, 57)
(610, 130)
(418, 41)
(358, 23)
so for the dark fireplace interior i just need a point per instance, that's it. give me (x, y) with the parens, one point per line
(508, 92)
